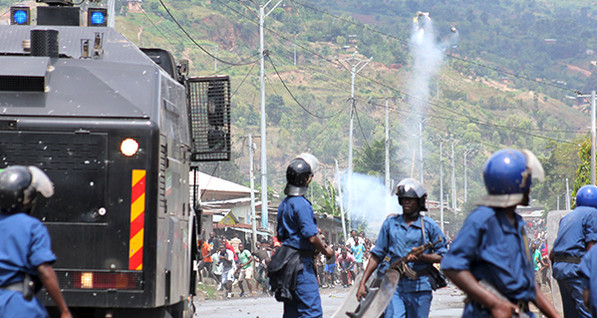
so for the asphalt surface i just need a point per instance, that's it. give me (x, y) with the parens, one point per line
(447, 302)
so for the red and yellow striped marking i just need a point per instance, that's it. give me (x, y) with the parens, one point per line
(137, 220)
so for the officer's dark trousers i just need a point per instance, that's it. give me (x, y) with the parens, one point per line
(572, 302)
(409, 305)
(306, 302)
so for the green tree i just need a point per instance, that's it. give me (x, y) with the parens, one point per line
(328, 202)
(562, 162)
(275, 107)
(583, 173)
(371, 159)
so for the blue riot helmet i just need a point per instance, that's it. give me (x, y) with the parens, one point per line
(20, 186)
(587, 196)
(507, 176)
(299, 173)
(411, 188)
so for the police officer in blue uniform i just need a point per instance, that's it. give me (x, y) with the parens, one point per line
(297, 229)
(398, 235)
(489, 259)
(588, 273)
(576, 234)
(25, 254)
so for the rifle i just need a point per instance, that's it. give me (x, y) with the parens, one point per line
(494, 291)
(380, 293)
(400, 265)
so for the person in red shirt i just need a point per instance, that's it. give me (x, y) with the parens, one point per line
(207, 263)
(230, 247)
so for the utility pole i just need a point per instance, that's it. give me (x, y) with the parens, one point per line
(387, 161)
(215, 58)
(356, 65)
(465, 177)
(593, 134)
(465, 190)
(252, 183)
(421, 150)
(262, 15)
(441, 186)
(111, 13)
(294, 54)
(341, 204)
(567, 195)
(387, 146)
(454, 206)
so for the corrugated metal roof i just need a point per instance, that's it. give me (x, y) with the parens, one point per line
(209, 183)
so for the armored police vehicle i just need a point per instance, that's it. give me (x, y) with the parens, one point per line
(117, 129)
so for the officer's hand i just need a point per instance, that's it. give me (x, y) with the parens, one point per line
(503, 309)
(329, 252)
(413, 258)
(66, 315)
(361, 292)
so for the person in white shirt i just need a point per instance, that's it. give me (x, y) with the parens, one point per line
(226, 258)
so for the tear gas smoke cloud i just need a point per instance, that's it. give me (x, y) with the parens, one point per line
(427, 57)
(369, 199)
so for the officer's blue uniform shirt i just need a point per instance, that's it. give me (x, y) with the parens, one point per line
(576, 229)
(296, 222)
(495, 251)
(24, 245)
(588, 271)
(396, 239)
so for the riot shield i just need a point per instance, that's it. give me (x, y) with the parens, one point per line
(350, 302)
(378, 297)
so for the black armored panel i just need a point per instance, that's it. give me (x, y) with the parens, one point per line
(98, 72)
(111, 130)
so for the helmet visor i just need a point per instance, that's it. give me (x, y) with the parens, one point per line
(41, 182)
(310, 160)
(533, 165)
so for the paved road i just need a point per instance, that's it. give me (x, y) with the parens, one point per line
(447, 303)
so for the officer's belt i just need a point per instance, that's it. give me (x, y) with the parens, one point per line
(18, 286)
(565, 258)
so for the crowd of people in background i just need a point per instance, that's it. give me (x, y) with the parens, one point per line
(348, 261)
(536, 233)
(230, 262)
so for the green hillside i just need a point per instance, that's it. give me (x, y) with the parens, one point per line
(507, 81)
(500, 85)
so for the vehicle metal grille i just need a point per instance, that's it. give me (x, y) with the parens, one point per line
(76, 164)
(209, 100)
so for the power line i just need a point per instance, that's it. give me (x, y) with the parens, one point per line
(404, 42)
(383, 84)
(243, 81)
(242, 63)
(473, 119)
(488, 124)
(250, 10)
(158, 28)
(326, 130)
(292, 95)
(521, 131)
(361, 128)
(361, 75)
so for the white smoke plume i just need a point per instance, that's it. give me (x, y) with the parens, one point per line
(369, 200)
(427, 58)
